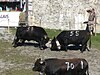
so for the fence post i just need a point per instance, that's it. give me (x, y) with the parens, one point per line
(8, 26)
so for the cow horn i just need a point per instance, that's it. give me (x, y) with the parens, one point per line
(45, 37)
(41, 62)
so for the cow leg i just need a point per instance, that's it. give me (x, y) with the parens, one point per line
(23, 41)
(87, 48)
(64, 47)
(41, 45)
(83, 48)
(15, 42)
(84, 74)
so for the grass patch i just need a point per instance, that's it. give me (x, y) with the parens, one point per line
(52, 32)
(96, 41)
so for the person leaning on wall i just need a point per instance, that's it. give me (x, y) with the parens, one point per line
(92, 20)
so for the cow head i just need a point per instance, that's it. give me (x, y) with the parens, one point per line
(39, 65)
(55, 45)
(44, 40)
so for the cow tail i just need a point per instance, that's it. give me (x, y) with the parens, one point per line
(87, 71)
(90, 42)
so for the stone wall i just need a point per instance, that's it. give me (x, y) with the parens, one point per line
(62, 14)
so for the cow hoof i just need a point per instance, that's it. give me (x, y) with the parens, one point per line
(14, 46)
(81, 51)
(66, 50)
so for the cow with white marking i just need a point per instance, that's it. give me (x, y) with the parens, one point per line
(55, 66)
(74, 37)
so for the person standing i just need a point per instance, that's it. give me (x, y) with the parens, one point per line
(92, 20)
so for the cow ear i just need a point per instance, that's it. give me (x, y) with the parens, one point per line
(45, 37)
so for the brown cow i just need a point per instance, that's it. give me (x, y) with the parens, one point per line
(54, 66)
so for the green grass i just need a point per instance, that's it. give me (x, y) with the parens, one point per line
(52, 33)
(96, 41)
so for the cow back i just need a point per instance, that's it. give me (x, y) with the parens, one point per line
(73, 36)
(30, 32)
(53, 65)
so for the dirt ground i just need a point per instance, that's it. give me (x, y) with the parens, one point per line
(92, 56)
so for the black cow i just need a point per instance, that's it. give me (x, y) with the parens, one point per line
(54, 66)
(35, 33)
(75, 37)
